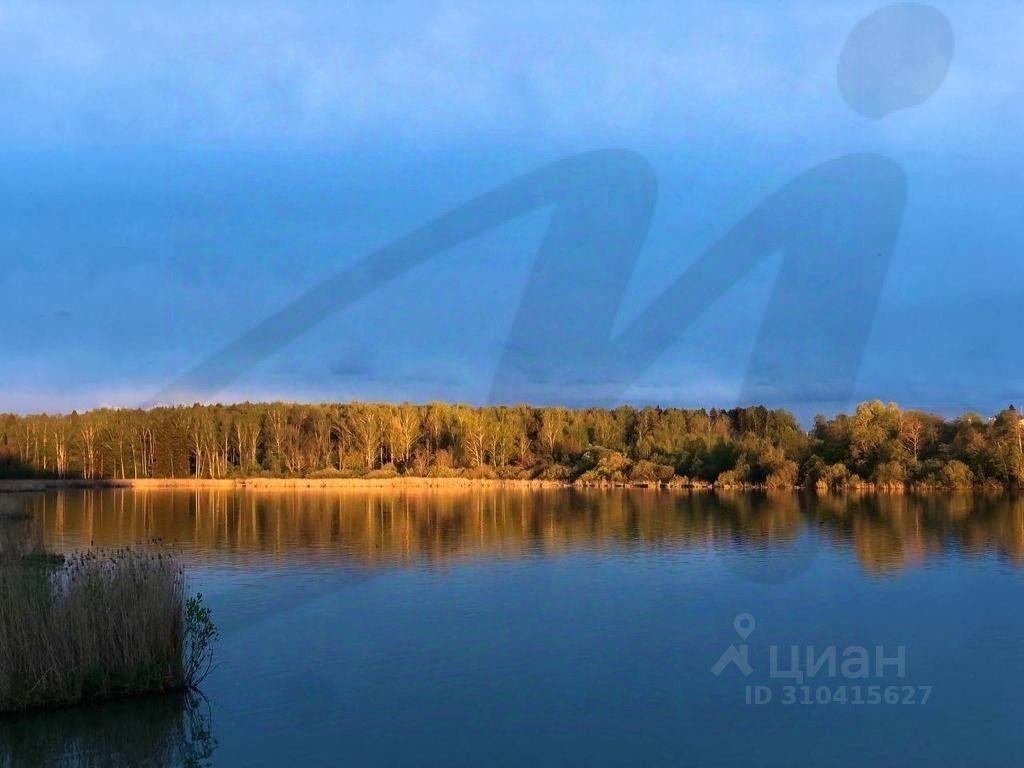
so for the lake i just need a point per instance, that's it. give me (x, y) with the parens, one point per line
(604, 627)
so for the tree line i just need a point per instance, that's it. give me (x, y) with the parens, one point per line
(879, 445)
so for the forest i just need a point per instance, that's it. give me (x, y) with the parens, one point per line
(879, 445)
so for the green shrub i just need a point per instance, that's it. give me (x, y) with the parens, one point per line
(552, 472)
(511, 472)
(438, 471)
(737, 476)
(890, 474)
(833, 477)
(955, 474)
(333, 473)
(650, 472)
(386, 472)
(601, 466)
(482, 472)
(784, 475)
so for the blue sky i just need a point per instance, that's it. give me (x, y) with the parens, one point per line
(171, 174)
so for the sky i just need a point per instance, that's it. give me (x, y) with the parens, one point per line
(172, 175)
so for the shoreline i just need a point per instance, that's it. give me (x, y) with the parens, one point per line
(441, 483)
(274, 483)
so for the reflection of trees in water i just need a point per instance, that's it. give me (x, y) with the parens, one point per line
(370, 527)
(891, 532)
(167, 730)
(21, 532)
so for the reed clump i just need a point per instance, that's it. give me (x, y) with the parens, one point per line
(97, 625)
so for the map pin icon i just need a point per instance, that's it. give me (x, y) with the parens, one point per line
(744, 624)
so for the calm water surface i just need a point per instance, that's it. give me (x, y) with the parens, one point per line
(557, 627)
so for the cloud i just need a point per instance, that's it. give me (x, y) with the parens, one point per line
(259, 72)
(214, 161)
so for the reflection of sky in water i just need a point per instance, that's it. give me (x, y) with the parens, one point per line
(468, 628)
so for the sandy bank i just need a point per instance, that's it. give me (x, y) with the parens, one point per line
(278, 483)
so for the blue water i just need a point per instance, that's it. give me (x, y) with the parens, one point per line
(560, 628)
